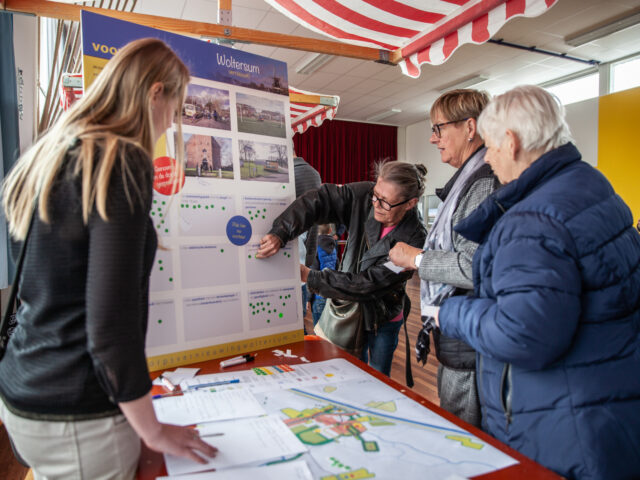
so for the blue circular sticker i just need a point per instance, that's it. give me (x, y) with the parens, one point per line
(238, 230)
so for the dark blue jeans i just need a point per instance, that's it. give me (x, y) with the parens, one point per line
(317, 307)
(378, 350)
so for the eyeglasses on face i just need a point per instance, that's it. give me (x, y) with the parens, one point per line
(384, 204)
(438, 126)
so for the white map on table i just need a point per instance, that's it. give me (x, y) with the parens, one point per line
(356, 427)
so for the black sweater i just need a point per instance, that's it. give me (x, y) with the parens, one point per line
(78, 348)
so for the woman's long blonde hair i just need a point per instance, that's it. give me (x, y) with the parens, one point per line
(114, 113)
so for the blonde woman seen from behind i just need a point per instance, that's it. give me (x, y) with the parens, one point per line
(74, 381)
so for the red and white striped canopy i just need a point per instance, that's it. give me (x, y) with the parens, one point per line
(305, 115)
(425, 31)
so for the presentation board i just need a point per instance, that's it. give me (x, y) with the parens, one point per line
(209, 296)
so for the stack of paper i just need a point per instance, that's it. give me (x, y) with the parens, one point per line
(199, 407)
(249, 441)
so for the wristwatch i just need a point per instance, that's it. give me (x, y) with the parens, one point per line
(418, 260)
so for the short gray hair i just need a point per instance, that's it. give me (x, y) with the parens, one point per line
(533, 114)
(408, 177)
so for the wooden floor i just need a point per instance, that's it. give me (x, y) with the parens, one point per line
(424, 378)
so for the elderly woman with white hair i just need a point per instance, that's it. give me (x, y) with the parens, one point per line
(556, 313)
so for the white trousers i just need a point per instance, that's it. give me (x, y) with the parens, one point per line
(103, 449)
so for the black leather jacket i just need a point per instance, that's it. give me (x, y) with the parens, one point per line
(380, 292)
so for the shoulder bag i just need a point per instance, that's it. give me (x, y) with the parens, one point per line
(9, 319)
(341, 322)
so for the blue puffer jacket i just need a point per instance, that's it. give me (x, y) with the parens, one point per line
(556, 318)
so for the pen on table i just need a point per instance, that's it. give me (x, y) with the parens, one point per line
(162, 395)
(238, 360)
(213, 384)
(167, 383)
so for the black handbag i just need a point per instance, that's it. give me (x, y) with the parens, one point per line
(9, 318)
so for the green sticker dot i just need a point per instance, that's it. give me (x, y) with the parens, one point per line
(164, 203)
(283, 187)
(280, 297)
(199, 206)
(222, 250)
(161, 268)
(212, 205)
(159, 209)
(160, 261)
(249, 256)
(263, 216)
(283, 304)
(166, 230)
(249, 212)
(155, 201)
(182, 205)
(268, 321)
(171, 279)
(224, 208)
(159, 320)
(194, 207)
(280, 315)
(206, 207)
(153, 213)
(268, 304)
(264, 209)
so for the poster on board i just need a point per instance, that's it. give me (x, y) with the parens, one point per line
(209, 296)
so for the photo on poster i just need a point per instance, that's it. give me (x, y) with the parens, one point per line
(261, 116)
(206, 107)
(263, 162)
(207, 156)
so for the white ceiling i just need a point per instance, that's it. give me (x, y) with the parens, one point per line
(367, 88)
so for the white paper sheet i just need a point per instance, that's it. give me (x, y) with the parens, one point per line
(294, 470)
(203, 406)
(246, 442)
(178, 375)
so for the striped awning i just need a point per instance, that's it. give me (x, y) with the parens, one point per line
(310, 113)
(416, 31)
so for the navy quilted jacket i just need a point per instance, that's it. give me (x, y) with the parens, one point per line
(556, 318)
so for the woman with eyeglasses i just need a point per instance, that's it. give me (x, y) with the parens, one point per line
(444, 262)
(377, 215)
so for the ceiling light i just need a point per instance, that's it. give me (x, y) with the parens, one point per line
(611, 26)
(387, 113)
(464, 83)
(313, 63)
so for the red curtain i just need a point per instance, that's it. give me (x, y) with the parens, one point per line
(345, 152)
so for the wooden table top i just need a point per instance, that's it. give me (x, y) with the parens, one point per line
(314, 349)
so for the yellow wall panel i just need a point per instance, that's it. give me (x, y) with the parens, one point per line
(619, 145)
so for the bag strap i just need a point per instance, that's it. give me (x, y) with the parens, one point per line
(4, 326)
(408, 373)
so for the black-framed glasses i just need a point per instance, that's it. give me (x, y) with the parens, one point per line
(384, 204)
(437, 127)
